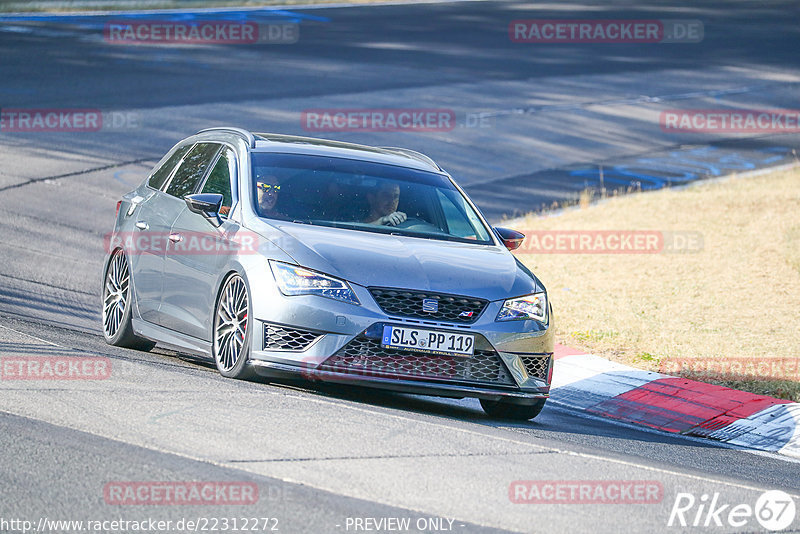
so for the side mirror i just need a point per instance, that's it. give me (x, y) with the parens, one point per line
(207, 205)
(510, 238)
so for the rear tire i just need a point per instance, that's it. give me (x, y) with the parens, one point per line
(232, 332)
(117, 306)
(504, 409)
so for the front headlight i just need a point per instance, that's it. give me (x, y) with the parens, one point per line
(294, 280)
(527, 307)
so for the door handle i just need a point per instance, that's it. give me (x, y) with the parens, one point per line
(141, 225)
(175, 238)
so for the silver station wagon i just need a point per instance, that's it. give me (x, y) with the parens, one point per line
(292, 257)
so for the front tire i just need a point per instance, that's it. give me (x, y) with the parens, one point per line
(117, 306)
(231, 346)
(504, 409)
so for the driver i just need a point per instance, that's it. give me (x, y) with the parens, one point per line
(268, 188)
(383, 201)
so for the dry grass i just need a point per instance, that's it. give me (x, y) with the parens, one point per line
(739, 297)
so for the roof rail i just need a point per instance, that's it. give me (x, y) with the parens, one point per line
(249, 137)
(413, 154)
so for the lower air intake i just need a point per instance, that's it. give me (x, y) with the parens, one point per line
(364, 356)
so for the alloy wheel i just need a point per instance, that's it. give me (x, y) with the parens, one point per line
(230, 323)
(116, 294)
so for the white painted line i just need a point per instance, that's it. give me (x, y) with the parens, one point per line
(239, 466)
(348, 406)
(32, 337)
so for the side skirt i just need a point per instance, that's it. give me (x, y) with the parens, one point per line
(172, 339)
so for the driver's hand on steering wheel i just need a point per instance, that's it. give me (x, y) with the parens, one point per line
(393, 219)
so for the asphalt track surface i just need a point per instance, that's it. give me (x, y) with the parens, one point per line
(320, 455)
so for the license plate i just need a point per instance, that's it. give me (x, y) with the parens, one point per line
(428, 341)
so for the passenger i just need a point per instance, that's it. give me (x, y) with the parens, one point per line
(383, 201)
(268, 188)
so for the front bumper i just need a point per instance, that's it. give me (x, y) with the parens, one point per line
(321, 339)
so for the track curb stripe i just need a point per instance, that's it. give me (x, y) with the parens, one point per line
(672, 404)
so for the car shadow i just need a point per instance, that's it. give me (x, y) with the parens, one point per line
(550, 421)
(556, 421)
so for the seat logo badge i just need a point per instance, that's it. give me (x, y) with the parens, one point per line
(430, 305)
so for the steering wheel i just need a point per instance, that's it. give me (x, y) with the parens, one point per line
(415, 223)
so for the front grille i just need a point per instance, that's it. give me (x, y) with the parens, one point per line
(537, 366)
(277, 337)
(365, 356)
(407, 303)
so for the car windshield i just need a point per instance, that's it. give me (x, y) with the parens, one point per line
(363, 196)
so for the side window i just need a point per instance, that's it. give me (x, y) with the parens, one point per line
(192, 169)
(219, 180)
(462, 221)
(456, 222)
(161, 174)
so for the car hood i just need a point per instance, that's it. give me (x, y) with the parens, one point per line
(373, 259)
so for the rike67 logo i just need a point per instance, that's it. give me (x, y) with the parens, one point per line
(773, 510)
